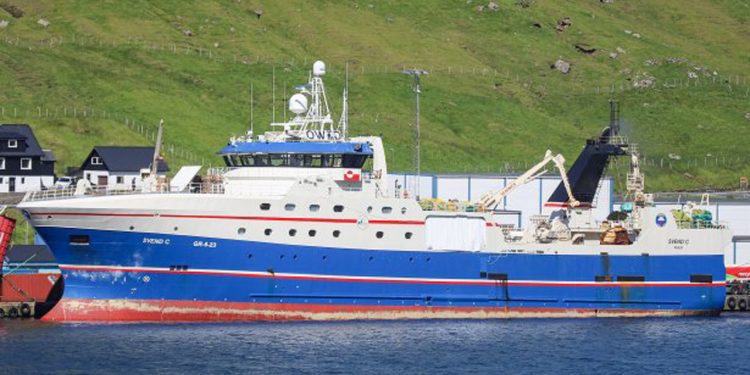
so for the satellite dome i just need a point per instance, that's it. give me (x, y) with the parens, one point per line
(298, 104)
(319, 68)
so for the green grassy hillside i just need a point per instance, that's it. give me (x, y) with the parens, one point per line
(491, 101)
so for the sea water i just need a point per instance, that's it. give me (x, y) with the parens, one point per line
(517, 346)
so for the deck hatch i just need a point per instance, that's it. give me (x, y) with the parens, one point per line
(79, 239)
(494, 276)
(701, 278)
(630, 278)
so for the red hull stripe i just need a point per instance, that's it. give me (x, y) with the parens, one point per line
(90, 310)
(386, 280)
(225, 217)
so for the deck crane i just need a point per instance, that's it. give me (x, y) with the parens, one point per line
(490, 200)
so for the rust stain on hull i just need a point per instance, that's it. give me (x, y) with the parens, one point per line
(81, 310)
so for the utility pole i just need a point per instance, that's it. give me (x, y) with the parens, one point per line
(416, 73)
(273, 94)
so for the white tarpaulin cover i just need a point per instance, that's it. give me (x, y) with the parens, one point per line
(455, 233)
(183, 177)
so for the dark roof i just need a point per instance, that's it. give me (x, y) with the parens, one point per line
(21, 131)
(23, 253)
(128, 158)
(49, 155)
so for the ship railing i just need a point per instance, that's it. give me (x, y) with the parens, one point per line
(53, 194)
(66, 193)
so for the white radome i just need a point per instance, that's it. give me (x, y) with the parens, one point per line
(298, 104)
(319, 68)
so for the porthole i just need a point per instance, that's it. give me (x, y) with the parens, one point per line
(371, 259)
(411, 259)
(176, 229)
(338, 208)
(249, 256)
(292, 232)
(132, 227)
(336, 233)
(407, 235)
(325, 257)
(379, 234)
(265, 206)
(281, 256)
(403, 210)
(314, 207)
(290, 206)
(241, 231)
(311, 233)
(268, 231)
(386, 210)
(369, 209)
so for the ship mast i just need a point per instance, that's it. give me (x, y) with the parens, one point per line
(157, 149)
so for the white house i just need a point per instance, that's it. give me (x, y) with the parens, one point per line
(24, 166)
(114, 165)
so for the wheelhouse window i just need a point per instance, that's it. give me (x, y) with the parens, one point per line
(26, 163)
(12, 143)
(353, 161)
(295, 160)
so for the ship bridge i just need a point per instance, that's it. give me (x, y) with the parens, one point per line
(297, 154)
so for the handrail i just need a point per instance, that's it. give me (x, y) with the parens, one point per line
(70, 192)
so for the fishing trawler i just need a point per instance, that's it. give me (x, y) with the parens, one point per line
(301, 224)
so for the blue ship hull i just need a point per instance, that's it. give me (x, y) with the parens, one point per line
(139, 276)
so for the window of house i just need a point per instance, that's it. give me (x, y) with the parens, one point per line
(12, 143)
(120, 179)
(95, 160)
(25, 163)
(2, 163)
(1, 180)
(88, 177)
(23, 180)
